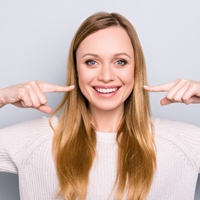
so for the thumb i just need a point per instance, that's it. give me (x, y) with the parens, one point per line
(45, 109)
(165, 101)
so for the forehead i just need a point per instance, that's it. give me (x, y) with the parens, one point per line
(109, 40)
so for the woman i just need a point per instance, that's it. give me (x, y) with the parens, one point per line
(105, 144)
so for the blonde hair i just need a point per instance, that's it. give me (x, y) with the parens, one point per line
(74, 142)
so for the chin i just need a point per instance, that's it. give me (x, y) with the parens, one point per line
(108, 107)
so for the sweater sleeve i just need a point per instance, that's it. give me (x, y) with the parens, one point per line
(18, 140)
(185, 136)
(9, 147)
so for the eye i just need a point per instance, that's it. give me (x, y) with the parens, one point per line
(121, 62)
(90, 62)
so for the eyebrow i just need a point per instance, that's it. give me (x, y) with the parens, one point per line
(96, 55)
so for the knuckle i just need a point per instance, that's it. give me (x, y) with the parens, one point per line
(194, 87)
(44, 101)
(184, 80)
(38, 82)
(169, 97)
(32, 83)
(185, 99)
(27, 87)
(36, 105)
(28, 104)
(177, 99)
(21, 92)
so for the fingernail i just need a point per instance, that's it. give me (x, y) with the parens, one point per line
(72, 86)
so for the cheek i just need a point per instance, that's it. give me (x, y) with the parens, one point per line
(129, 82)
(81, 75)
(84, 79)
(81, 79)
(127, 77)
(82, 82)
(86, 75)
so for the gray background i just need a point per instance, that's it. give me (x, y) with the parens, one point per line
(35, 37)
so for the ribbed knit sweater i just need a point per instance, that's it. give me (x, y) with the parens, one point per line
(26, 149)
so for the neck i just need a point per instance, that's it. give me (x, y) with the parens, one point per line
(106, 120)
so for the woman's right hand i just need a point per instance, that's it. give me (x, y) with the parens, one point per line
(30, 95)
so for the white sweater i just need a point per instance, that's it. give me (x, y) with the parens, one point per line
(25, 149)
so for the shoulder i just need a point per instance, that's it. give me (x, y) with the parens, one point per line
(167, 126)
(183, 137)
(24, 141)
(26, 133)
(177, 131)
(29, 126)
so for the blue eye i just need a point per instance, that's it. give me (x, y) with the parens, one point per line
(90, 62)
(121, 62)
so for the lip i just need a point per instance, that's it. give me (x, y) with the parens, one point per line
(106, 86)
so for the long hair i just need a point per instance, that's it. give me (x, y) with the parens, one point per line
(74, 142)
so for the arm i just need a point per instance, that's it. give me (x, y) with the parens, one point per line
(30, 95)
(182, 91)
(14, 138)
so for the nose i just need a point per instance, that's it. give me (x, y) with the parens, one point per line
(106, 74)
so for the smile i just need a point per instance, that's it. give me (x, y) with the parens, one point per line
(106, 90)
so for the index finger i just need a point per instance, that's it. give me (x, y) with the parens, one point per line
(46, 87)
(161, 88)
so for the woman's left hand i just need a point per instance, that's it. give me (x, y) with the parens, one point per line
(181, 91)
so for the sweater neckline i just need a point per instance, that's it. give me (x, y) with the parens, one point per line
(106, 137)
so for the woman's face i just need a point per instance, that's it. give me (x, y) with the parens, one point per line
(105, 66)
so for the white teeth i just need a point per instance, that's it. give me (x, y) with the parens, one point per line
(106, 90)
